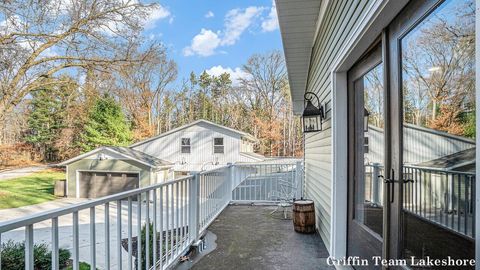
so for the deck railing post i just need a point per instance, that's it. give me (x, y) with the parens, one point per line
(232, 182)
(299, 179)
(194, 208)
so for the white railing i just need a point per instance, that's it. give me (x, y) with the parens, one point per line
(268, 182)
(169, 216)
(214, 196)
(442, 197)
(446, 198)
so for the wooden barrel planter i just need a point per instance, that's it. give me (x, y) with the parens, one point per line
(304, 216)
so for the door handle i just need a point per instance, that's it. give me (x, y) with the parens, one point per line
(390, 181)
(393, 180)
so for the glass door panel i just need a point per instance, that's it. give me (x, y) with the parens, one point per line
(438, 134)
(370, 149)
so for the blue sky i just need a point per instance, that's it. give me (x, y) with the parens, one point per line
(214, 35)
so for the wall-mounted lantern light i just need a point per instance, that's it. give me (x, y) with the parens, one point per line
(366, 114)
(312, 115)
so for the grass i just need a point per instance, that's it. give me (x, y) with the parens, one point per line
(27, 190)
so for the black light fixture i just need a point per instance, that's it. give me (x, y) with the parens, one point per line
(366, 114)
(312, 115)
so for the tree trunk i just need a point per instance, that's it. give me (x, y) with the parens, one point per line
(434, 110)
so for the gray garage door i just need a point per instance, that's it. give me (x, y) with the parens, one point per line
(99, 184)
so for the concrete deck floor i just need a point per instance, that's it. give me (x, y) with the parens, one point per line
(248, 237)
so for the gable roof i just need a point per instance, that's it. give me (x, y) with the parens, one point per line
(253, 156)
(241, 133)
(452, 161)
(126, 152)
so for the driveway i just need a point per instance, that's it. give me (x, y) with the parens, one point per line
(14, 173)
(42, 230)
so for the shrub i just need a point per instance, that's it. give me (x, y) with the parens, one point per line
(144, 243)
(83, 266)
(13, 256)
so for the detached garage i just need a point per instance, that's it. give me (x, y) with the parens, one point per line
(109, 170)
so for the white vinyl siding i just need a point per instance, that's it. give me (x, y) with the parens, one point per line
(201, 147)
(338, 23)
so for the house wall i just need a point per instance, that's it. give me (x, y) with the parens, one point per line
(338, 24)
(246, 146)
(201, 141)
(112, 165)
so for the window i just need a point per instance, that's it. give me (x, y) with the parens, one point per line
(186, 146)
(218, 147)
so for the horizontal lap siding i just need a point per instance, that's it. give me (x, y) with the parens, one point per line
(341, 18)
(201, 141)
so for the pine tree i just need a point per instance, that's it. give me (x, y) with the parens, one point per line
(106, 125)
(45, 119)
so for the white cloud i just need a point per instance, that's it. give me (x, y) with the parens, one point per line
(154, 36)
(10, 24)
(156, 15)
(209, 14)
(271, 22)
(237, 21)
(112, 27)
(203, 44)
(235, 74)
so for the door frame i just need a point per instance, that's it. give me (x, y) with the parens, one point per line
(377, 16)
(373, 245)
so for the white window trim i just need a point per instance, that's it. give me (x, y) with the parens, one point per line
(181, 145)
(213, 145)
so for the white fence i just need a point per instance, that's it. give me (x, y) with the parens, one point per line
(215, 194)
(268, 182)
(445, 198)
(178, 211)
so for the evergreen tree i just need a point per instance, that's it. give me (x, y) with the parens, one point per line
(106, 125)
(45, 119)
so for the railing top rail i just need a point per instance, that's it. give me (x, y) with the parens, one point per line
(214, 170)
(438, 170)
(39, 217)
(267, 164)
(430, 169)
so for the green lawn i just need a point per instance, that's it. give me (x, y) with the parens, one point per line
(27, 190)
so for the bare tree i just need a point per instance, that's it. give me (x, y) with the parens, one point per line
(438, 65)
(39, 39)
(265, 89)
(142, 85)
(266, 81)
